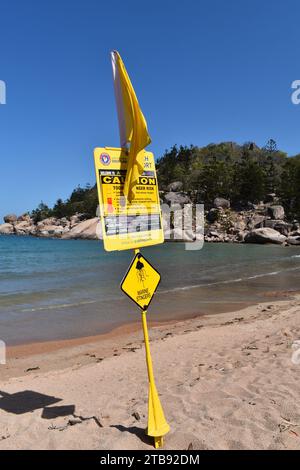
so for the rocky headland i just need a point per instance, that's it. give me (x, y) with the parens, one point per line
(258, 223)
(77, 226)
(254, 223)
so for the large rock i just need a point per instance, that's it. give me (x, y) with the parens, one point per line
(173, 198)
(24, 218)
(24, 228)
(64, 222)
(48, 222)
(272, 223)
(276, 212)
(296, 233)
(50, 231)
(75, 219)
(89, 230)
(221, 202)
(256, 221)
(10, 218)
(239, 224)
(66, 230)
(280, 225)
(283, 227)
(241, 236)
(175, 186)
(6, 229)
(264, 235)
(293, 240)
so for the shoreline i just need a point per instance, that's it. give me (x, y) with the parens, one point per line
(212, 240)
(127, 327)
(133, 326)
(46, 355)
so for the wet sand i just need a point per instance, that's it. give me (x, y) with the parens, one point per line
(115, 341)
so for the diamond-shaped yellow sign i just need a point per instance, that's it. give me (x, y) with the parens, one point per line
(141, 281)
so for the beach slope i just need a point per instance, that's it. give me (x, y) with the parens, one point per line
(225, 381)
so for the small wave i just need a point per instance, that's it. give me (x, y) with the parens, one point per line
(295, 256)
(54, 306)
(227, 281)
(273, 273)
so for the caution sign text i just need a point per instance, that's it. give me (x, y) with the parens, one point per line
(127, 224)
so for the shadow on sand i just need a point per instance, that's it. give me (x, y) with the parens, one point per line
(28, 400)
(139, 432)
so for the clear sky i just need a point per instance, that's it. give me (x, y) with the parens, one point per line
(204, 71)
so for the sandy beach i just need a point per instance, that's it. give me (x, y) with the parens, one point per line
(226, 381)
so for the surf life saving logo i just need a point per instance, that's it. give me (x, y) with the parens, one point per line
(105, 159)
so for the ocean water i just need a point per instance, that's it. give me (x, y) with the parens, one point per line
(56, 289)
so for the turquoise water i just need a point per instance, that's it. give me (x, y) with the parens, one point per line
(56, 289)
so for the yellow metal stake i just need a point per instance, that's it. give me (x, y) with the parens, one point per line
(157, 424)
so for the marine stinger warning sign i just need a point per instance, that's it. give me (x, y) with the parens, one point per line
(141, 281)
(127, 225)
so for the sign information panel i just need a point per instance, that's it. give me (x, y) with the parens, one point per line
(127, 225)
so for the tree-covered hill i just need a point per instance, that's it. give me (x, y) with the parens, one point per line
(241, 173)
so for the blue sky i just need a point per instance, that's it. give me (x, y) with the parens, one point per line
(204, 71)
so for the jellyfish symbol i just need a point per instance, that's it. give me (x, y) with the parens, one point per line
(141, 272)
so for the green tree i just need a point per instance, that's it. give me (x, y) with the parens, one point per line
(289, 190)
(271, 167)
(41, 212)
(215, 179)
(249, 180)
(59, 209)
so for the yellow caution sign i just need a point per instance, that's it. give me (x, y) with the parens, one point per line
(141, 281)
(127, 224)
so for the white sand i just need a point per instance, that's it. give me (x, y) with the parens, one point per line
(226, 382)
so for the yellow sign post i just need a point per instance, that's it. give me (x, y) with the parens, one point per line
(131, 215)
(157, 424)
(127, 225)
(140, 283)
